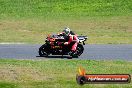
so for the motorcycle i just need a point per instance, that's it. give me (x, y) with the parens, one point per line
(54, 44)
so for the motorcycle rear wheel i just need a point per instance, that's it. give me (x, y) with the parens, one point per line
(44, 50)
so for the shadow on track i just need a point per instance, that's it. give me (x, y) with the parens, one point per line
(54, 56)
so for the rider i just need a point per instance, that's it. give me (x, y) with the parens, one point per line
(71, 38)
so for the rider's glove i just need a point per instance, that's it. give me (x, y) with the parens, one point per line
(66, 43)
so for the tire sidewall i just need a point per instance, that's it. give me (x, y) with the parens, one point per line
(80, 47)
(45, 49)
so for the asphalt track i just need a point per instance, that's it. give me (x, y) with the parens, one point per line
(93, 51)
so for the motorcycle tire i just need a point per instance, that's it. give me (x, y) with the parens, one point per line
(80, 49)
(78, 52)
(44, 50)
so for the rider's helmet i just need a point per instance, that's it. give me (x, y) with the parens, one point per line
(66, 31)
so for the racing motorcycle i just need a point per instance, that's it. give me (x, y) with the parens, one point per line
(54, 44)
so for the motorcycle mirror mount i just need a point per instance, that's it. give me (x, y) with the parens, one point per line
(83, 43)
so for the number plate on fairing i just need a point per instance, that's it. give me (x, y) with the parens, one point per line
(56, 47)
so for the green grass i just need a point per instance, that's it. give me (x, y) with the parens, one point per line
(100, 31)
(57, 73)
(29, 21)
(64, 9)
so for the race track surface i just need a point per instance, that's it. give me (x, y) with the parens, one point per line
(96, 52)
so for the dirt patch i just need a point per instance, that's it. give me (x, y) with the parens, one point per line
(21, 74)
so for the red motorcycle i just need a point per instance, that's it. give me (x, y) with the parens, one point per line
(54, 44)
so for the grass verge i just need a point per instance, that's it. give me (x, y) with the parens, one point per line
(57, 73)
(114, 30)
(29, 21)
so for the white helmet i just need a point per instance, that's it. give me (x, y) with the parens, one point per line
(66, 30)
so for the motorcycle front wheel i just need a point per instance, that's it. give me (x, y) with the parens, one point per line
(78, 51)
